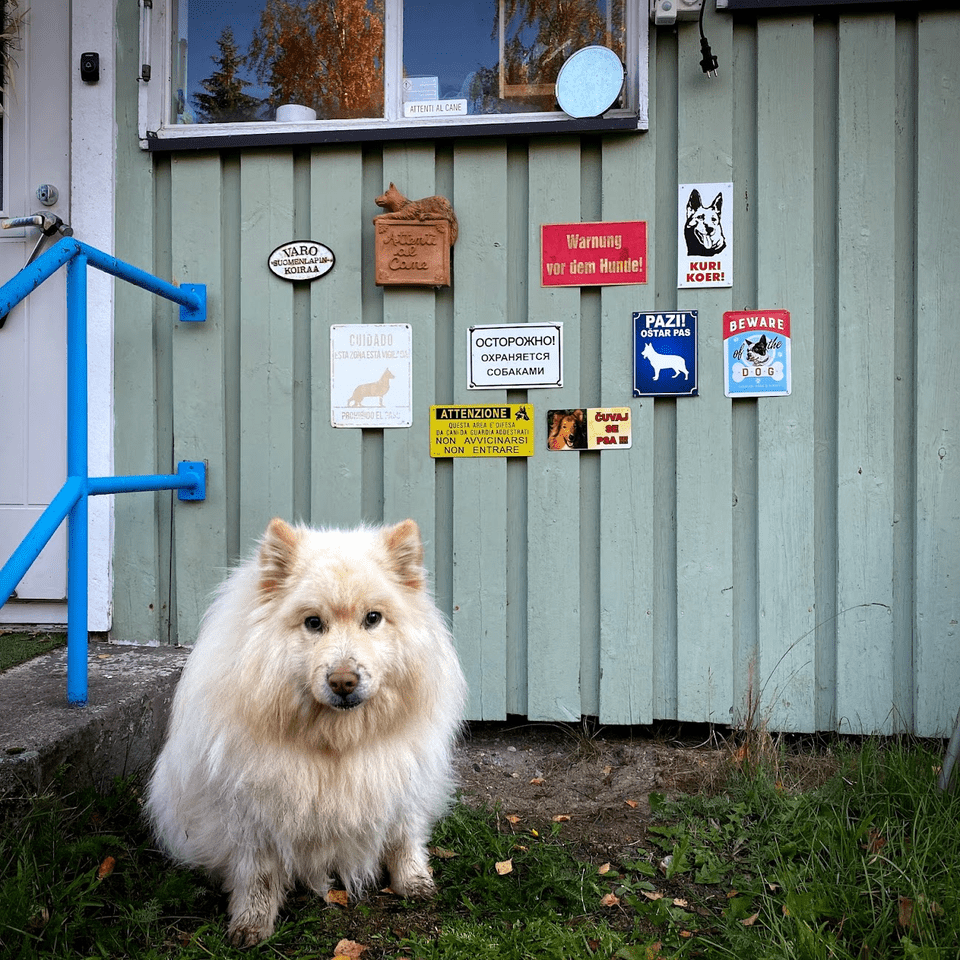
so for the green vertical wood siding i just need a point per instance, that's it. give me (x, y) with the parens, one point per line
(799, 555)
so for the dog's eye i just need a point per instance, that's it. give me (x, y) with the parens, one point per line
(314, 624)
(372, 618)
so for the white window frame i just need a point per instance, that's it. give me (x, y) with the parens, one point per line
(156, 132)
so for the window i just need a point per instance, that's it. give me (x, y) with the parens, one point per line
(269, 71)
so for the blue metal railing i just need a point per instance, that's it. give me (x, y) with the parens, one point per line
(189, 481)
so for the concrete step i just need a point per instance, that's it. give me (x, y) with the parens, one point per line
(118, 732)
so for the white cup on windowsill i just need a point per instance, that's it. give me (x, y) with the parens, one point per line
(295, 113)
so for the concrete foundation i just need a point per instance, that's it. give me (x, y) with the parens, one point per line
(118, 732)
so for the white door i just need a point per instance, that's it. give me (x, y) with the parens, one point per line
(35, 152)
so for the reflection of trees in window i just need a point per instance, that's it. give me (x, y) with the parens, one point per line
(224, 100)
(534, 39)
(537, 36)
(325, 54)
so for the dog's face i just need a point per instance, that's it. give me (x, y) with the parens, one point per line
(648, 351)
(564, 429)
(703, 229)
(341, 608)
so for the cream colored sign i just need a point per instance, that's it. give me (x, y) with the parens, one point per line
(371, 375)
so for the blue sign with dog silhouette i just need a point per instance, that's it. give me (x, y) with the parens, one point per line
(665, 354)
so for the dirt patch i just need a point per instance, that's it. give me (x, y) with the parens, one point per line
(600, 780)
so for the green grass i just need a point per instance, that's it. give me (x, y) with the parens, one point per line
(17, 647)
(863, 868)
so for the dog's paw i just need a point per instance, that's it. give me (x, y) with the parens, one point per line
(417, 886)
(243, 935)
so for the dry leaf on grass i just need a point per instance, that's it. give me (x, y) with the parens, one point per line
(750, 921)
(561, 818)
(441, 853)
(348, 948)
(538, 781)
(631, 803)
(604, 868)
(339, 897)
(512, 818)
(106, 868)
(905, 912)
(610, 900)
(504, 867)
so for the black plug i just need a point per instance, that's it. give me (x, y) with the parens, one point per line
(709, 62)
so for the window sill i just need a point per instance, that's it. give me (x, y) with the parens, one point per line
(297, 134)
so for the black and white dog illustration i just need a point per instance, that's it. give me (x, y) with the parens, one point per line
(703, 230)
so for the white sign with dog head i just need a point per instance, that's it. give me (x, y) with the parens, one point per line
(705, 249)
(371, 375)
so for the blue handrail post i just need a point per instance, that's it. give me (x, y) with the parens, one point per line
(77, 466)
(190, 480)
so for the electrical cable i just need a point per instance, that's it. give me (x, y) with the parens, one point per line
(709, 62)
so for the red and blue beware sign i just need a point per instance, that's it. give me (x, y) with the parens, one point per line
(756, 353)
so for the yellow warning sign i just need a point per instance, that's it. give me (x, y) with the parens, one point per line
(495, 430)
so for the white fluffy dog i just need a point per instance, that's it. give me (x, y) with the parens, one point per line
(312, 730)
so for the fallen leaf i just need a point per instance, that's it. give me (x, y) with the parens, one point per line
(442, 853)
(773, 887)
(106, 868)
(504, 867)
(513, 818)
(561, 818)
(652, 894)
(604, 868)
(534, 832)
(731, 894)
(631, 803)
(750, 921)
(905, 912)
(607, 770)
(678, 902)
(339, 897)
(653, 950)
(538, 781)
(348, 948)
(610, 900)
(686, 933)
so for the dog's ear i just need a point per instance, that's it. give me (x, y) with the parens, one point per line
(405, 554)
(717, 202)
(277, 551)
(694, 203)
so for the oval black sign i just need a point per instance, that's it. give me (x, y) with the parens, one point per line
(301, 260)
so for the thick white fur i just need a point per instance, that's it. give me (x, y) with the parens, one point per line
(266, 778)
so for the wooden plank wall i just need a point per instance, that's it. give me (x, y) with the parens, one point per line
(797, 556)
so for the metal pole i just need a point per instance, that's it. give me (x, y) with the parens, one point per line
(77, 468)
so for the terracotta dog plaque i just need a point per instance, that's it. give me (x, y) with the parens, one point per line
(412, 252)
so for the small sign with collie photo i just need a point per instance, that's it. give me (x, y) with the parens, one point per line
(589, 428)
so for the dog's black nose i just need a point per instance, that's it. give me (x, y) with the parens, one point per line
(343, 681)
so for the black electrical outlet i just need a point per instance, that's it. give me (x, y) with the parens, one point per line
(90, 67)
